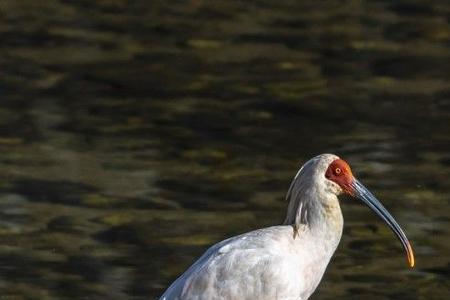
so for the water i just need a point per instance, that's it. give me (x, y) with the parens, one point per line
(135, 134)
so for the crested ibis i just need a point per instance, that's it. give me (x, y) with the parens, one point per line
(285, 261)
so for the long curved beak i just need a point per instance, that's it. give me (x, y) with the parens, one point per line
(360, 191)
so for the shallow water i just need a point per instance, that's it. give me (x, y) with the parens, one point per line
(134, 135)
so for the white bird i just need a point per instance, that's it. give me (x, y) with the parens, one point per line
(287, 261)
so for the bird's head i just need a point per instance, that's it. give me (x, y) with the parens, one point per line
(339, 176)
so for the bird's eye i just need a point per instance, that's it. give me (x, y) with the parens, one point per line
(337, 171)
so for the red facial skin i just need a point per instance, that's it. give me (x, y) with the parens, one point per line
(339, 172)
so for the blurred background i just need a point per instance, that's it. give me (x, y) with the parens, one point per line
(134, 134)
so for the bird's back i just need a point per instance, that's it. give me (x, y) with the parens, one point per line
(263, 264)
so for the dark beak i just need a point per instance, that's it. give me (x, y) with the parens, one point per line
(360, 191)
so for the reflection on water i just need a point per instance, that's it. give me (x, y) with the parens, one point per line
(135, 134)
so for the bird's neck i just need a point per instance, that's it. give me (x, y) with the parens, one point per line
(320, 213)
(327, 221)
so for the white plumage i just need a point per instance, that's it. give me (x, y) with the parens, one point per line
(283, 262)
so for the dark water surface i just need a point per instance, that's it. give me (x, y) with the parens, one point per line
(134, 134)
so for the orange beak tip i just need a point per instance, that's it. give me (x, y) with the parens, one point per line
(411, 259)
(412, 264)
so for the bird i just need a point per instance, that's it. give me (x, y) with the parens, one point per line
(285, 261)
